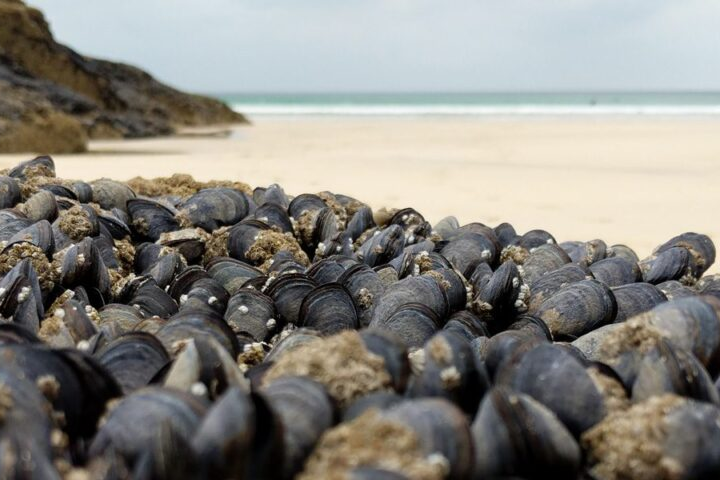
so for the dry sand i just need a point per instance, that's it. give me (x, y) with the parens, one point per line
(636, 181)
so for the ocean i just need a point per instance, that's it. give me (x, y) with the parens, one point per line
(478, 104)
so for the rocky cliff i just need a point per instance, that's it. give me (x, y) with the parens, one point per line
(52, 99)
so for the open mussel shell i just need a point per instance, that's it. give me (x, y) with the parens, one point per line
(150, 218)
(213, 208)
(240, 437)
(450, 372)
(543, 259)
(516, 436)
(133, 359)
(305, 411)
(558, 380)
(130, 427)
(204, 367)
(328, 309)
(668, 369)
(253, 313)
(288, 292)
(578, 308)
(635, 298)
(616, 271)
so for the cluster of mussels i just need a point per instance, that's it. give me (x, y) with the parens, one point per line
(173, 329)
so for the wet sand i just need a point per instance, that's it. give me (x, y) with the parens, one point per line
(636, 181)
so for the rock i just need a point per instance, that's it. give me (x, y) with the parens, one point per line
(52, 99)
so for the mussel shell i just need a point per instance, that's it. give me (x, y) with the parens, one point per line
(700, 247)
(536, 238)
(668, 369)
(110, 194)
(616, 271)
(305, 411)
(382, 247)
(578, 308)
(515, 435)
(674, 289)
(555, 378)
(441, 428)
(133, 359)
(393, 351)
(365, 286)
(635, 298)
(422, 290)
(42, 205)
(329, 309)
(288, 292)
(192, 325)
(230, 273)
(131, 426)
(253, 313)
(467, 325)
(415, 323)
(585, 253)
(671, 264)
(275, 216)
(469, 249)
(450, 372)
(213, 208)
(150, 218)
(543, 259)
(622, 251)
(549, 284)
(9, 192)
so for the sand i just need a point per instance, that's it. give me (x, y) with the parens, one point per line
(637, 181)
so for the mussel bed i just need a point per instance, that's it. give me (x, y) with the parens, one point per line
(174, 329)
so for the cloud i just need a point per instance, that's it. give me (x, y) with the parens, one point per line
(291, 45)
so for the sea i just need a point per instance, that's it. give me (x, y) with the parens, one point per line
(477, 104)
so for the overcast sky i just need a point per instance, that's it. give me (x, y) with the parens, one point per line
(402, 45)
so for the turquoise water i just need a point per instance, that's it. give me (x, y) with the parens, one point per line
(479, 104)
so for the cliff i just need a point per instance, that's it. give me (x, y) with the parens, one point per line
(52, 98)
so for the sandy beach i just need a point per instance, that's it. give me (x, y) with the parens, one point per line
(625, 180)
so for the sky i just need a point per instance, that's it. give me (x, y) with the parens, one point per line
(224, 46)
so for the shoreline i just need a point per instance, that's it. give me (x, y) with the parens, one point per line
(637, 182)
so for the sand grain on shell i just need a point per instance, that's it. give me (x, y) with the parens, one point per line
(629, 444)
(75, 223)
(340, 362)
(369, 441)
(635, 334)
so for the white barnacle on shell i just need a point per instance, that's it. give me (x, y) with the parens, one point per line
(485, 254)
(59, 313)
(183, 299)
(271, 324)
(23, 295)
(198, 389)
(212, 300)
(243, 309)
